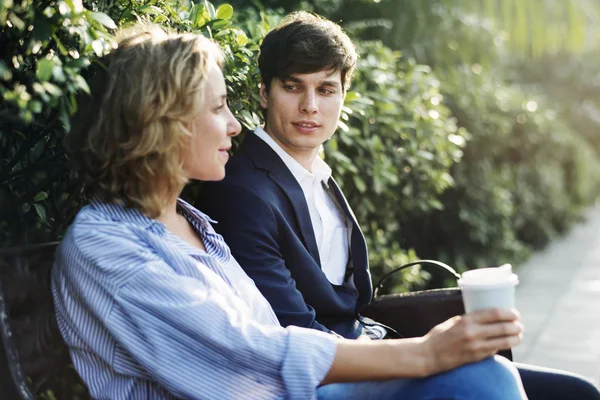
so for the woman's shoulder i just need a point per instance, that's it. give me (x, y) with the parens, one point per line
(110, 220)
(104, 228)
(103, 248)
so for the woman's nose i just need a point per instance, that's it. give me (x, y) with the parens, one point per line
(234, 125)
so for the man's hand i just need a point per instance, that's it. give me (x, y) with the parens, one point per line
(471, 337)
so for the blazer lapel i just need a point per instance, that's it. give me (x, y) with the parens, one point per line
(265, 158)
(358, 248)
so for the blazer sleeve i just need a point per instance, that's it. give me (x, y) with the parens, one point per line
(249, 227)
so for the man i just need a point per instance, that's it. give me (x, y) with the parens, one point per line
(284, 217)
(291, 228)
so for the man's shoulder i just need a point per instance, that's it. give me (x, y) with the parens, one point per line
(240, 180)
(244, 185)
(249, 175)
(251, 165)
(241, 165)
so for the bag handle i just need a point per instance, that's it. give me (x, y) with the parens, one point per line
(411, 264)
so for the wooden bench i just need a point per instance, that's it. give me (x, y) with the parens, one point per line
(33, 357)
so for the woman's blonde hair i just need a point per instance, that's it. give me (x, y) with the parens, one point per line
(129, 139)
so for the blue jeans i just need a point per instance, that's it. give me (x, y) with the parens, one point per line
(494, 378)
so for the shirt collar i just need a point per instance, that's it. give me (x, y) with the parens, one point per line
(118, 212)
(320, 170)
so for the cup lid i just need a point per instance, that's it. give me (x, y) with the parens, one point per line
(488, 278)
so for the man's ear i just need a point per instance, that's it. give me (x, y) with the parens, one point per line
(264, 96)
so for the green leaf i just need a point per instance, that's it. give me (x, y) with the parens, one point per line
(65, 119)
(241, 38)
(51, 395)
(219, 23)
(72, 103)
(211, 9)
(103, 19)
(52, 88)
(425, 155)
(97, 47)
(5, 73)
(60, 46)
(343, 126)
(160, 19)
(78, 63)
(359, 183)
(16, 21)
(225, 11)
(76, 6)
(35, 106)
(58, 74)
(83, 85)
(41, 196)
(350, 96)
(197, 15)
(40, 211)
(151, 10)
(44, 69)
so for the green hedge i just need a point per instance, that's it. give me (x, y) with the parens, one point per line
(443, 161)
(45, 48)
(524, 178)
(394, 150)
(530, 161)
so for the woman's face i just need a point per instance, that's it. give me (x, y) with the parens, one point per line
(212, 129)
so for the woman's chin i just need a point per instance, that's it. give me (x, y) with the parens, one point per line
(215, 177)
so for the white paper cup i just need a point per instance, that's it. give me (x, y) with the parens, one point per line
(488, 288)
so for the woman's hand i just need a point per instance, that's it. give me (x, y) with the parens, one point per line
(455, 342)
(471, 337)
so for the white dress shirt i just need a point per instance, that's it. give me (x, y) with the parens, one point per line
(330, 225)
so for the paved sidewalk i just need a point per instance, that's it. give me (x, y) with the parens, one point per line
(559, 299)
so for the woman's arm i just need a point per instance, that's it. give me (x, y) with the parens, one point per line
(457, 341)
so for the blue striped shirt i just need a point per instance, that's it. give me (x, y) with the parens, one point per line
(147, 316)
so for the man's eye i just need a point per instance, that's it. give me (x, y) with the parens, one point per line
(289, 87)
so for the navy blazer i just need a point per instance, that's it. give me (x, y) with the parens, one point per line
(262, 213)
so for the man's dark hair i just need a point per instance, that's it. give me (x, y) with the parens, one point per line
(306, 43)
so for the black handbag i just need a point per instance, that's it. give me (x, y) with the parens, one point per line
(413, 314)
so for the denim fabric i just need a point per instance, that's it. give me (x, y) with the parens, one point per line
(494, 378)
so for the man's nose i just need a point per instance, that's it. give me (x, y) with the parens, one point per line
(309, 102)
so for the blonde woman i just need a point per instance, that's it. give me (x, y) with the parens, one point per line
(148, 297)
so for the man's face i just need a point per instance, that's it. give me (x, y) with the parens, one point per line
(303, 111)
